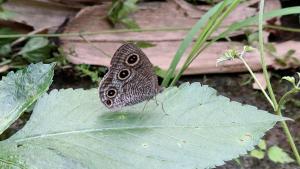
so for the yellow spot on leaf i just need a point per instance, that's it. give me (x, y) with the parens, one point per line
(245, 138)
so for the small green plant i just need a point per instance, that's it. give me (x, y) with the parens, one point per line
(90, 71)
(259, 152)
(207, 24)
(234, 54)
(33, 50)
(5, 14)
(36, 50)
(274, 153)
(119, 13)
(284, 60)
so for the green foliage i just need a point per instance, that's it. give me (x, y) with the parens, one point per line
(262, 145)
(120, 10)
(144, 44)
(63, 142)
(295, 89)
(252, 37)
(5, 47)
(208, 23)
(248, 48)
(259, 154)
(290, 79)
(5, 50)
(160, 72)
(276, 154)
(270, 96)
(5, 14)
(36, 50)
(200, 25)
(285, 59)
(293, 81)
(92, 72)
(19, 90)
(232, 54)
(185, 127)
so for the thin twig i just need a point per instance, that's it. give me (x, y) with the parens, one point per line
(256, 80)
(96, 47)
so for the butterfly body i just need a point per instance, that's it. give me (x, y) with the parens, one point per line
(130, 78)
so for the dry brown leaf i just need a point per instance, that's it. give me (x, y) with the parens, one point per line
(150, 15)
(162, 54)
(281, 50)
(38, 14)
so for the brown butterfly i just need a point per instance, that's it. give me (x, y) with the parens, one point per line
(130, 78)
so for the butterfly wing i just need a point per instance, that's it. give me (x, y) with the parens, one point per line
(130, 79)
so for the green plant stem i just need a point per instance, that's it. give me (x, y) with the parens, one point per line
(220, 19)
(289, 138)
(188, 39)
(93, 33)
(256, 80)
(74, 34)
(212, 25)
(269, 87)
(96, 47)
(278, 111)
(262, 54)
(283, 99)
(282, 28)
(5, 62)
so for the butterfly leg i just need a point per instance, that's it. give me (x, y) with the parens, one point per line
(144, 107)
(162, 105)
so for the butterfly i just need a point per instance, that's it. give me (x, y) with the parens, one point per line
(129, 80)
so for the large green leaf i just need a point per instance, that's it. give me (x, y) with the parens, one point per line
(185, 127)
(19, 90)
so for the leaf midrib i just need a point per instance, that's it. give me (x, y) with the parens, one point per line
(11, 163)
(41, 136)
